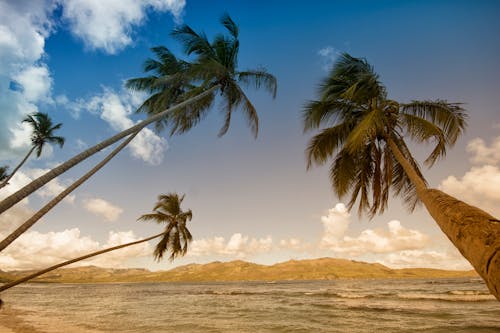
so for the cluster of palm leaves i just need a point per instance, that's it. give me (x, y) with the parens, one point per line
(357, 121)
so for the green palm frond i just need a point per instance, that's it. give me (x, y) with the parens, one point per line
(43, 131)
(323, 145)
(193, 42)
(259, 78)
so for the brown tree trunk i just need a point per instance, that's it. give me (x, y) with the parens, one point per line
(475, 233)
(93, 254)
(51, 204)
(42, 180)
(6, 181)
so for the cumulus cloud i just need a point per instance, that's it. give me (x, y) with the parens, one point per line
(450, 259)
(395, 238)
(480, 185)
(103, 208)
(107, 25)
(328, 55)
(55, 247)
(482, 153)
(115, 110)
(238, 245)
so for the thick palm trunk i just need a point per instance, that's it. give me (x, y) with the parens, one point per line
(6, 181)
(475, 233)
(39, 182)
(51, 268)
(38, 215)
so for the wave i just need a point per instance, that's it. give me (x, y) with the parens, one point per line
(450, 296)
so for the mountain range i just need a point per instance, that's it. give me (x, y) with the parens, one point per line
(311, 269)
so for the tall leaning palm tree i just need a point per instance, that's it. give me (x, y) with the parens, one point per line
(42, 133)
(364, 134)
(214, 69)
(175, 237)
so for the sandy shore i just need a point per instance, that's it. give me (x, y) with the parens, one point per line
(11, 322)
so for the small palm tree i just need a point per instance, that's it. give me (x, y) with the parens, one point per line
(175, 237)
(42, 133)
(3, 173)
(364, 132)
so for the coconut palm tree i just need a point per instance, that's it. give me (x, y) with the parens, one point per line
(42, 133)
(214, 68)
(3, 172)
(175, 237)
(364, 133)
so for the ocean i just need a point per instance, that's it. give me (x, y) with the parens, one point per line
(420, 305)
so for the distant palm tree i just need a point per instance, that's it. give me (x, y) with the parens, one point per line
(3, 172)
(213, 69)
(42, 133)
(364, 133)
(176, 236)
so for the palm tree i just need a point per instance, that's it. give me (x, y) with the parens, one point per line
(214, 68)
(176, 236)
(42, 133)
(3, 173)
(363, 133)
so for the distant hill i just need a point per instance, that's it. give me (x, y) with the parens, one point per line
(314, 269)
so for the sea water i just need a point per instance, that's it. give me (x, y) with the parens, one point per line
(420, 305)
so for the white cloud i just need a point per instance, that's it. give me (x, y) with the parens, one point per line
(115, 110)
(450, 259)
(480, 186)
(54, 247)
(238, 245)
(395, 238)
(36, 83)
(103, 208)
(294, 244)
(329, 55)
(482, 154)
(108, 25)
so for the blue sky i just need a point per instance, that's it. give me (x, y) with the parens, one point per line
(252, 199)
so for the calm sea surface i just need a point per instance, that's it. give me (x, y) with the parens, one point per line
(441, 305)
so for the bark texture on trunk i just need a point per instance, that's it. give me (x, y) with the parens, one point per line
(6, 181)
(39, 182)
(52, 203)
(475, 233)
(93, 254)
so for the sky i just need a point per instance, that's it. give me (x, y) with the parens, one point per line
(252, 199)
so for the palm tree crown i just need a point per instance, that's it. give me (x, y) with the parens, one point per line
(214, 65)
(176, 237)
(3, 172)
(358, 122)
(43, 131)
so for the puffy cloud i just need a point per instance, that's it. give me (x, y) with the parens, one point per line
(238, 245)
(482, 154)
(115, 110)
(294, 244)
(395, 238)
(107, 25)
(103, 208)
(480, 185)
(36, 83)
(450, 259)
(54, 247)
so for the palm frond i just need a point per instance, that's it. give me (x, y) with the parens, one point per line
(259, 78)
(323, 145)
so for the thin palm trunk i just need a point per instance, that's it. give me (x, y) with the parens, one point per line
(38, 215)
(39, 182)
(475, 233)
(93, 254)
(6, 181)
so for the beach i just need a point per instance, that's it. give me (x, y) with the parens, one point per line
(356, 306)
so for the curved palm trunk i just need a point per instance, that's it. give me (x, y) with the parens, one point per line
(39, 182)
(38, 215)
(6, 181)
(475, 233)
(93, 254)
